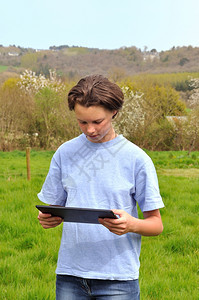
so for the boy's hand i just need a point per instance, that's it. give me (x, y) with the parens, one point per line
(49, 221)
(121, 225)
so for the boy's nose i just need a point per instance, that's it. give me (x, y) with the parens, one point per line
(90, 129)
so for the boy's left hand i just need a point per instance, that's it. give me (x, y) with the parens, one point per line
(121, 225)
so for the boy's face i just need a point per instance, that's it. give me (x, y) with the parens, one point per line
(95, 122)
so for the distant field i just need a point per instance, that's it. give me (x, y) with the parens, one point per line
(3, 68)
(75, 50)
(28, 253)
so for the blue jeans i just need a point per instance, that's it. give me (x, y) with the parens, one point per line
(76, 288)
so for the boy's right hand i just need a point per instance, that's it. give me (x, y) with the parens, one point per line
(49, 221)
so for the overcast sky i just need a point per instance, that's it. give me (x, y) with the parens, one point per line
(104, 24)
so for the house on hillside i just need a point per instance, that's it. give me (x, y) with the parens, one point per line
(13, 54)
(151, 55)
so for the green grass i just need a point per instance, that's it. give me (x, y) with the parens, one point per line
(169, 262)
(3, 68)
(28, 253)
(175, 159)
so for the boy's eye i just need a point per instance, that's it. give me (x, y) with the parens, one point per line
(94, 122)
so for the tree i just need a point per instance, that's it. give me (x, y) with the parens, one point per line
(132, 118)
(29, 60)
(194, 98)
(16, 110)
(192, 130)
(52, 121)
(143, 117)
(164, 100)
(47, 115)
(183, 61)
(116, 74)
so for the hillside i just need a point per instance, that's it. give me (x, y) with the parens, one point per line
(79, 61)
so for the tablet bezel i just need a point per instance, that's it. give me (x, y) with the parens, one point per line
(77, 214)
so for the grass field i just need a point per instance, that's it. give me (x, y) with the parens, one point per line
(3, 68)
(28, 253)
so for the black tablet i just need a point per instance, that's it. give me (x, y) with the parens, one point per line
(79, 215)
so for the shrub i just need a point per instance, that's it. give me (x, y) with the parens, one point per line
(143, 117)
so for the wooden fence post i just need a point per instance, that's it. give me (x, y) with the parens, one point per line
(28, 162)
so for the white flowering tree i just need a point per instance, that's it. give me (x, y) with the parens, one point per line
(132, 116)
(192, 130)
(187, 132)
(194, 98)
(142, 119)
(32, 83)
(136, 116)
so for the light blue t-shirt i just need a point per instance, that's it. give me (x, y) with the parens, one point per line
(112, 175)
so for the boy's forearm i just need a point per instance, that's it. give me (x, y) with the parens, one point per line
(150, 226)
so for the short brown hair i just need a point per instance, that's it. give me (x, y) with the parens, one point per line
(96, 90)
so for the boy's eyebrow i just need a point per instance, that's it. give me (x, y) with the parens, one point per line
(97, 120)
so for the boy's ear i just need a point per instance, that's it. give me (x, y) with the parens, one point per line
(114, 115)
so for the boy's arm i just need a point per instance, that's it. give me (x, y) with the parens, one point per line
(149, 226)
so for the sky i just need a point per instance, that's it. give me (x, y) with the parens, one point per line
(103, 24)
